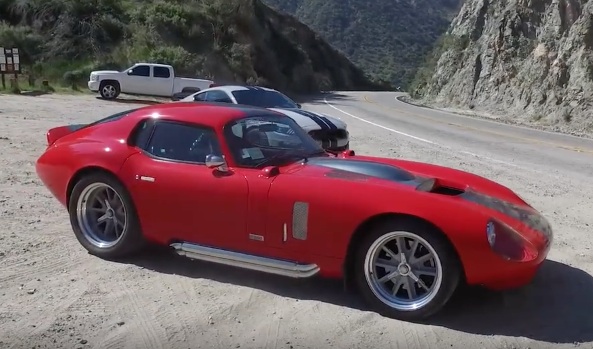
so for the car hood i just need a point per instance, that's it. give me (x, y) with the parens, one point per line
(104, 72)
(423, 177)
(410, 175)
(404, 173)
(309, 120)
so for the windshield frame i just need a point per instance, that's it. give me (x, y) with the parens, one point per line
(282, 156)
(262, 97)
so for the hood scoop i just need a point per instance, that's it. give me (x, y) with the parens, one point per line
(432, 185)
(358, 169)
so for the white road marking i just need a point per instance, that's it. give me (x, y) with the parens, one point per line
(431, 142)
(491, 159)
(380, 126)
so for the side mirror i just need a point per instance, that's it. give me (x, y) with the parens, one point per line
(298, 106)
(216, 162)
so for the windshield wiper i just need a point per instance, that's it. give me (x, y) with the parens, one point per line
(283, 156)
(316, 153)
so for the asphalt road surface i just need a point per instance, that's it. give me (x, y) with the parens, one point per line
(522, 147)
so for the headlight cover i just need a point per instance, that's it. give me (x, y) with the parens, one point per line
(508, 243)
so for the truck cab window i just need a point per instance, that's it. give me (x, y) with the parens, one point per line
(162, 72)
(140, 70)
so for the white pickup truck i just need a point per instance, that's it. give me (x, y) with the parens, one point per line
(144, 79)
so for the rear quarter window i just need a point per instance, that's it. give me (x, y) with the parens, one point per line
(141, 133)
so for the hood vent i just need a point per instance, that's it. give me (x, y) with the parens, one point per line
(431, 185)
(447, 191)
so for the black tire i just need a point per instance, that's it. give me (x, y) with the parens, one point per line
(450, 270)
(131, 240)
(109, 90)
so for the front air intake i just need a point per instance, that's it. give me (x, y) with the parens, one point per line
(432, 185)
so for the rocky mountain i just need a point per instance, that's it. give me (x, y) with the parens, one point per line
(530, 58)
(387, 38)
(227, 40)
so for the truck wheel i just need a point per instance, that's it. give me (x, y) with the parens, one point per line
(109, 90)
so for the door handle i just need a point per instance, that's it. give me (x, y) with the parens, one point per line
(145, 178)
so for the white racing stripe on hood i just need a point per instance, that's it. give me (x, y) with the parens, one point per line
(303, 121)
(337, 122)
(313, 120)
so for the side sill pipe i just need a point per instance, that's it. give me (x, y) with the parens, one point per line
(246, 261)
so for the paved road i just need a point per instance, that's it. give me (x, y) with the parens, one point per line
(521, 147)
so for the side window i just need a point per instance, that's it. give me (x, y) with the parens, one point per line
(140, 70)
(161, 72)
(142, 133)
(200, 97)
(218, 96)
(182, 142)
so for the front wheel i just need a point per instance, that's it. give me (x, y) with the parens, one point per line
(406, 270)
(103, 217)
(109, 90)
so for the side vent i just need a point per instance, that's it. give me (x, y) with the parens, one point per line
(300, 218)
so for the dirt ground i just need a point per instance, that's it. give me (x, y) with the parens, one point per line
(55, 295)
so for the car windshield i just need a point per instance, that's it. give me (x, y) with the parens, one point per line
(259, 141)
(264, 99)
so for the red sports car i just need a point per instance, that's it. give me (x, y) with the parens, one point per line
(248, 187)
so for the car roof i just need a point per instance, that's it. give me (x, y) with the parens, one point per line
(207, 113)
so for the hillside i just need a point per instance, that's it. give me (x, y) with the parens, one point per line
(532, 61)
(227, 40)
(387, 38)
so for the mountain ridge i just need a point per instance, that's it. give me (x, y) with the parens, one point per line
(386, 38)
(230, 40)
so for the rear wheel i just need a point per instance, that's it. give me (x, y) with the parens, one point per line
(103, 217)
(406, 270)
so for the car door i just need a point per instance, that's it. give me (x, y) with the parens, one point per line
(176, 195)
(162, 81)
(138, 80)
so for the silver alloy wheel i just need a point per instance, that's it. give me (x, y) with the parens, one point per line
(101, 215)
(109, 91)
(403, 271)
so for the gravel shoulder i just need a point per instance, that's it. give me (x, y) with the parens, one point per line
(55, 295)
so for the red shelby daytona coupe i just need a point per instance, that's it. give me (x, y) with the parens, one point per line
(247, 187)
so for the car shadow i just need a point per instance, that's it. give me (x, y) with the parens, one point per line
(127, 100)
(555, 308)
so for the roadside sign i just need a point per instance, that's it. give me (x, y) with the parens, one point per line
(10, 62)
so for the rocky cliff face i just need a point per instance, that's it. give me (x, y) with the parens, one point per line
(532, 58)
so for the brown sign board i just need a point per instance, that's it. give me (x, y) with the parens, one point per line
(10, 62)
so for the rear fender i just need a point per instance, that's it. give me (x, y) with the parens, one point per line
(61, 165)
